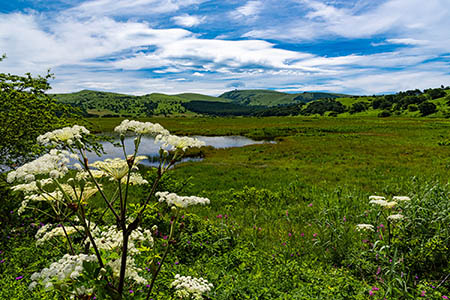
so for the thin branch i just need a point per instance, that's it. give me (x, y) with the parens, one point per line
(68, 239)
(163, 258)
(91, 239)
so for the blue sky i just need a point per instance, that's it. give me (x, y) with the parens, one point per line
(173, 46)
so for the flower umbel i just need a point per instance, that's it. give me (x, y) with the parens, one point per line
(173, 199)
(141, 128)
(190, 287)
(66, 135)
(365, 227)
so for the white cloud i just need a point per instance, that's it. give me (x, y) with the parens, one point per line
(392, 81)
(135, 7)
(99, 52)
(424, 21)
(71, 41)
(407, 41)
(188, 21)
(249, 11)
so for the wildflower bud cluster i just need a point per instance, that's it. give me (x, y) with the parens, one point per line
(190, 287)
(135, 179)
(53, 164)
(132, 271)
(140, 128)
(111, 239)
(381, 201)
(66, 135)
(49, 231)
(401, 198)
(173, 199)
(116, 168)
(69, 267)
(178, 142)
(365, 227)
(396, 217)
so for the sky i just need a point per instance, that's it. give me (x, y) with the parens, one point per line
(173, 46)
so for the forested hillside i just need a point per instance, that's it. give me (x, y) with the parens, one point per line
(430, 102)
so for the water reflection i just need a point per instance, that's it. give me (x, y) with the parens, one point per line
(150, 149)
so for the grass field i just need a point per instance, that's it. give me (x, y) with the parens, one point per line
(363, 152)
(281, 224)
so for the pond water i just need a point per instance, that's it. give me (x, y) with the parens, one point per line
(150, 149)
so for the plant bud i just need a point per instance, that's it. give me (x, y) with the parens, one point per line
(39, 184)
(71, 182)
(73, 206)
(130, 161)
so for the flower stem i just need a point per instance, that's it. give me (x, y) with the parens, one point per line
(163, 258)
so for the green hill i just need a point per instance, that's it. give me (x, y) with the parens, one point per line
(412, 103)
(274, 98)
(95, 103)
(200, 97)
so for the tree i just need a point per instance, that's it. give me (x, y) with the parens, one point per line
(427, 108)
(26, 111)
(322, 106)
(435, 93)
(358, 107)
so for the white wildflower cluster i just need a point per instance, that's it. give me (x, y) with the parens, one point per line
(26, 188)
(365, 227)
(132, 272)
(179, 142)
(401, 198)
(111, 239)
(141, 128)
(77, 194)
(30, 190)
(49, 231)
(116, 168)
(173, 199)
(381, 201)
(74, 195)
(66, 135)
(396, 217)
(22, 207)
(135, 179)
(69, 267)
(188, 287)
(84, 175)
(48, 197)
(53, 163)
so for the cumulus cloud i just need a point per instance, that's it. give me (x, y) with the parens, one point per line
(130, 7)
(415, 19)
(188, 21)
(88, 46)
(249, 11)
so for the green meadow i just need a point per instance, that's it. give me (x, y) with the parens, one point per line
(366, 153)
(282, 223)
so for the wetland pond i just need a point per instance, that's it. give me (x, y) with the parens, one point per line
(149, 148)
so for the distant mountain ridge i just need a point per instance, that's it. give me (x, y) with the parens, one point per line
(413, 103)
(274, 98)
(96, 103)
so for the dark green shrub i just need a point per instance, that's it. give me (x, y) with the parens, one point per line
(384, 114)
(427, 108)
